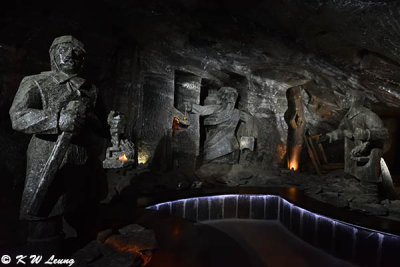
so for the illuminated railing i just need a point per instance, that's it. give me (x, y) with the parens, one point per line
(350, 242)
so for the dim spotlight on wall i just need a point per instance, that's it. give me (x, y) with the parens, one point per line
(143, 157)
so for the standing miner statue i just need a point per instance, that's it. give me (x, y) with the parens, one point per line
(58, 108)
(364, 135)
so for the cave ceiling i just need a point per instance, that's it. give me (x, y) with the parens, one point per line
(338, 45)
(260, 47)
(335, 45)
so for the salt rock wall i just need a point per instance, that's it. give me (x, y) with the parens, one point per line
(262, 48)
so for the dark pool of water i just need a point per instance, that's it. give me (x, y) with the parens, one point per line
(236, 243)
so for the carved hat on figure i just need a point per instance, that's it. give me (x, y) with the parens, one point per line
(68, 39)
(67, 54)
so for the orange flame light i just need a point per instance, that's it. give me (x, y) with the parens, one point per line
(123, 158)
(175, 123)
(293, 163)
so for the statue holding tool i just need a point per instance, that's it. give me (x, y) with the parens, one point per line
(58, 108)
(364, 135)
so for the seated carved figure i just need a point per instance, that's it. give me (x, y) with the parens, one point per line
(364, 135)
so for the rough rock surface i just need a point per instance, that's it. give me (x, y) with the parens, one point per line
(137, 49)
(132, 246)
(260, 47)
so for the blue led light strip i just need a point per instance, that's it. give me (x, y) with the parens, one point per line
(345, 240)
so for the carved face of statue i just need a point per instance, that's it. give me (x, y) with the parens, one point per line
(354, 98)
(228, 95)
(68, 58)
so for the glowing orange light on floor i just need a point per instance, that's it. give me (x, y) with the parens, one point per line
(292, 191)
(123, 158)
(176, 231)
(293, 163)
(129, 247)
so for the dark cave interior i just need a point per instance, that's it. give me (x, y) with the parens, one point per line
(292, 63)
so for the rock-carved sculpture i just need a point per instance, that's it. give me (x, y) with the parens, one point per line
(364, 135)
(58, 108)
(122, 152)
(221, 144)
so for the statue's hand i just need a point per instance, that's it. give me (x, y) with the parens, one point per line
(348, 134)
(72, 117)
(329, 136)
(361, 134)
(69, 121)
(360, 150)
